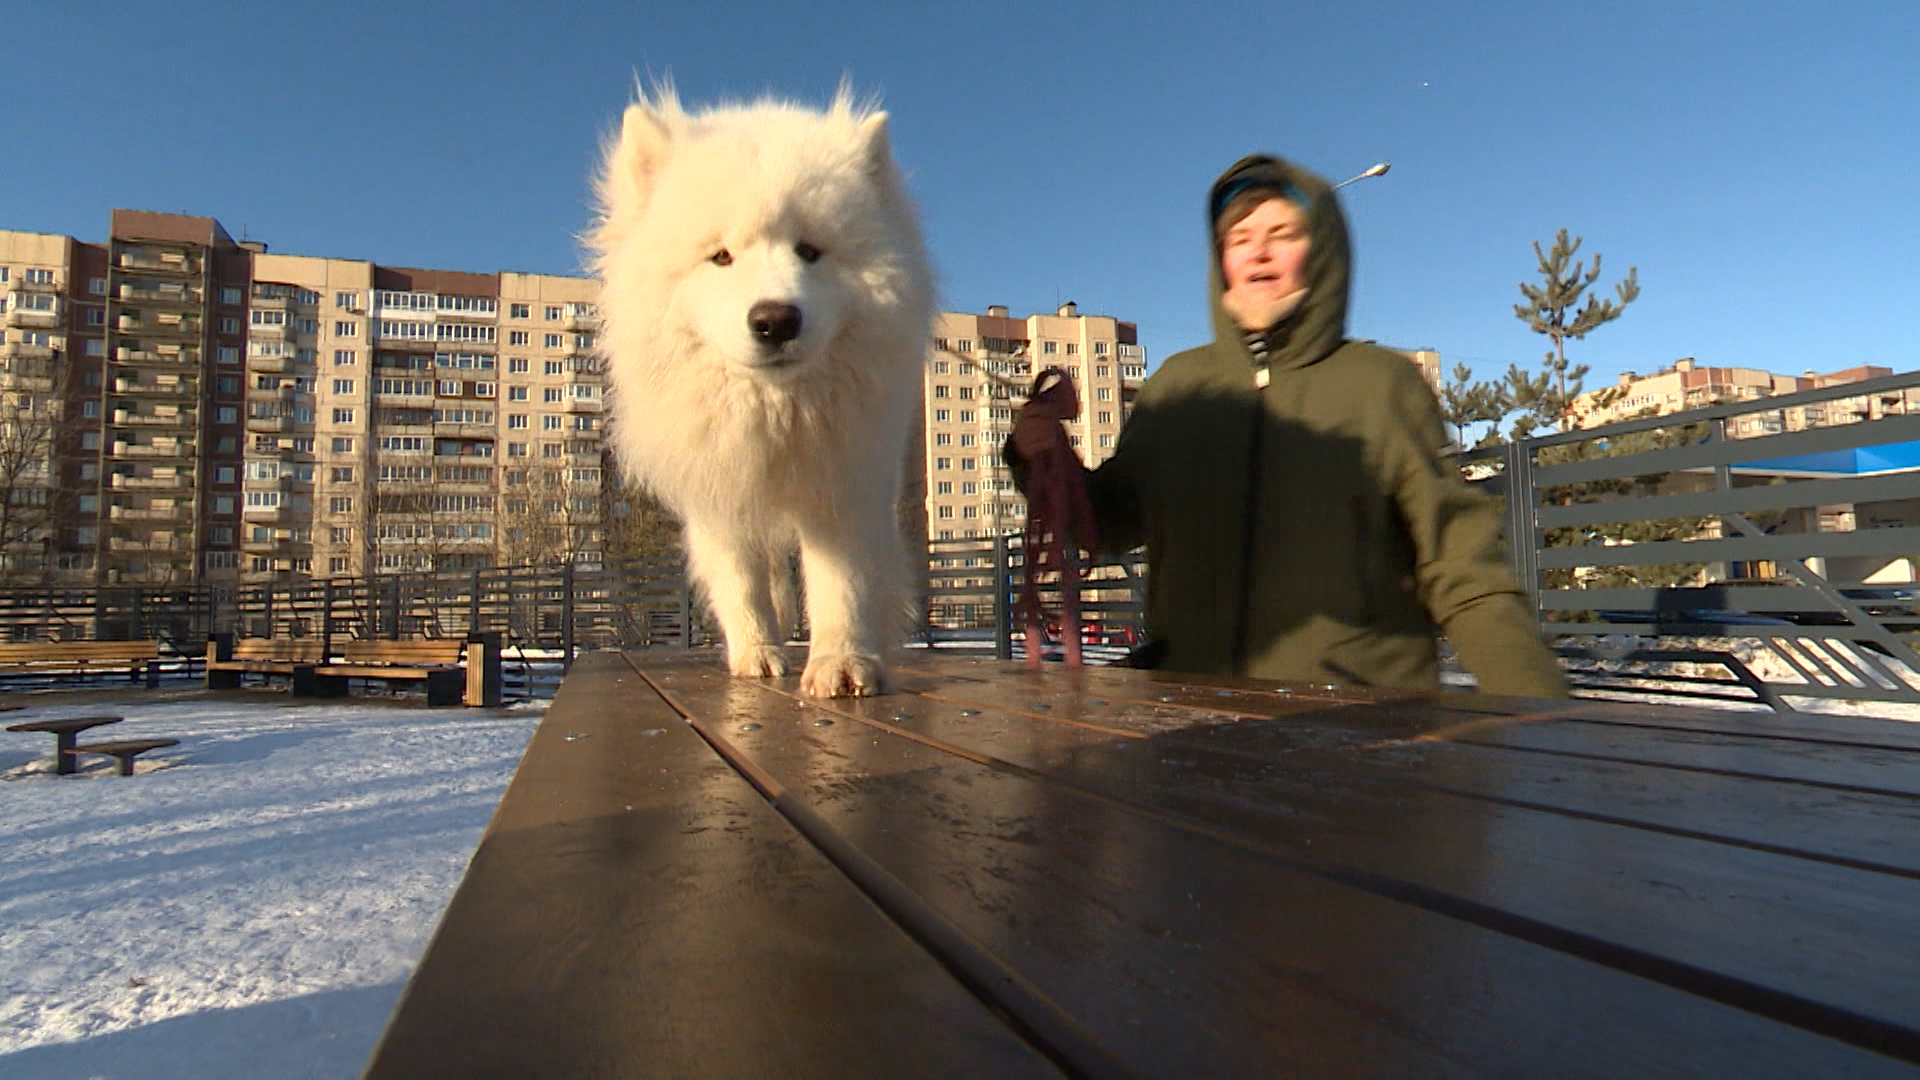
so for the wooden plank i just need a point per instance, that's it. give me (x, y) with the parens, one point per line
(1192, 951)
(1300, 784)
(636, 909)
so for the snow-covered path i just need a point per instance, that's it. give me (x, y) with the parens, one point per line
(251, 902)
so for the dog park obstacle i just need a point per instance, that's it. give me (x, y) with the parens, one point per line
(123, 752)
(1107, 872)
(66, 732)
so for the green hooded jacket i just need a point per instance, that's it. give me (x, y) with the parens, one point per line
(1312, 530)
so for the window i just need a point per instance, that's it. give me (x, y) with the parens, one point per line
(1105, 418)
(338, 564)
(966, 464)
(343, 446)
(516, 449)
(39, 277)
(966, 393)
(942, 439)
(308, 326)
(339, 534)
(1073, 348)
(222, 414)
(227, 324)
(95, 285)
(96, 316)
(553, 312)
(223, 474)
(518, 337)
(554, 367)
(516, 393)
(1106, 441)
(549, 450)
(346, 328)
(549, 423)
(550, 394)
(963, 346)
(519, 311)
(943, 512)
(340, 504)
(1103, 393)
(341, 474)
(263, 317)
(554, 341)
(942, 464)
(227, 354)
(969, 512)
(582, 342)
(89, 440)
(516, 422)
(96, 347)
(942, 391)
(968, 440)
(230, 295)
(1100, 349)
(348, 300)
(940, 416)
(943, 487)
(342, 386)
(517, 365)
(345, 357)
(1048, 347)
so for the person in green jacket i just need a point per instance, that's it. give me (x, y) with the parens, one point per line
(1301, 519)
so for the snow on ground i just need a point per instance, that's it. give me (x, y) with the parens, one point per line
(250, 903)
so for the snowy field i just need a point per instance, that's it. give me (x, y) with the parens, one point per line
(250, 903)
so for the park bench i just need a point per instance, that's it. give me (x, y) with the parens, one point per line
(136, 658)
(1119, 873)
(455, 672)
(259, 656)
(65, 731)
(124, 751)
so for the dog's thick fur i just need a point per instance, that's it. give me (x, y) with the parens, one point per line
(763, 445)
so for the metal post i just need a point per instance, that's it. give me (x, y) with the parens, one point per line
(473, 604)
(566, 616)
(326, 620)
(266, 602)
(1523, 537)
(1002, 599)
(393, 627)
(1723, 481)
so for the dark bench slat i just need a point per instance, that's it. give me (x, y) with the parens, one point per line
(124, 751)
(637, 909)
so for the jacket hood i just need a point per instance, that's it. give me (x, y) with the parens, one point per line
(1319, 326)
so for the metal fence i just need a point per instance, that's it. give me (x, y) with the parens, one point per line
(1774, 527)
(1715, 553)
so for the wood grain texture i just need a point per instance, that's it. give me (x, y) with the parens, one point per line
(1320, 892)
(636, 909)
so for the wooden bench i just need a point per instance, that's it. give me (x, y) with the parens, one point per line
(1119, 873)
(65, 731)
(124, 751)
(136, 658)
(455, 672)
(259, 656)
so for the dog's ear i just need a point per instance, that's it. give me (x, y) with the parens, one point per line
(874, 146)
(643, 148)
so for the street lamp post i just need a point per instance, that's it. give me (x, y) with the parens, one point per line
(1378, 169)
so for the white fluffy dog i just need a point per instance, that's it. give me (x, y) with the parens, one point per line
(767, 304)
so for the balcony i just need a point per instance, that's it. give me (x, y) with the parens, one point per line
(163, 262)
(271, 303)
(447, 430)
(173, 324)
(581, 324)
(170, 387)
(24, 285)
(145, 513)
(272, 332)
(269, 425)
(20, 350)
(122, 482)
(33, 318)
(134, 418)
(585, 405)
(29, 383)
(159, 295)
(126, 354)
(264, 514)
(268, 365)
(151, 542)
(165, 450)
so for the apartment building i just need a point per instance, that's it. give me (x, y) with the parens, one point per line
(977, 377)
(222, 413)
(1687, 385)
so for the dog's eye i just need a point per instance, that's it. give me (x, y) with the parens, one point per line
(723, 257)
(807, 252)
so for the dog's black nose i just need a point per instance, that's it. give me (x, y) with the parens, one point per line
(773, 323)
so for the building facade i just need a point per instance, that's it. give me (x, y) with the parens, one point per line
(977, 378)
(1688, 385)
(221, 413)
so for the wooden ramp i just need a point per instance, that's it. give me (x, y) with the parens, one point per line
(1118, 873)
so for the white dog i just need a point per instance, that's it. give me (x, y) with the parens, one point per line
(767, 304)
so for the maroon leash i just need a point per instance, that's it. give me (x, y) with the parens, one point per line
(1059, 514)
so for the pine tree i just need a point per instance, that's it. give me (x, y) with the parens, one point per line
(1464, 403)
(1554, 308)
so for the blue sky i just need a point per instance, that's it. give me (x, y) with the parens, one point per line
(1757, 163)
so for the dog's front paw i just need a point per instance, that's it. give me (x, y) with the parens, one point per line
(757, 662)
(844, 675)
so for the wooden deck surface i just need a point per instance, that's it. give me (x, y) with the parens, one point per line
(1120, 873)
